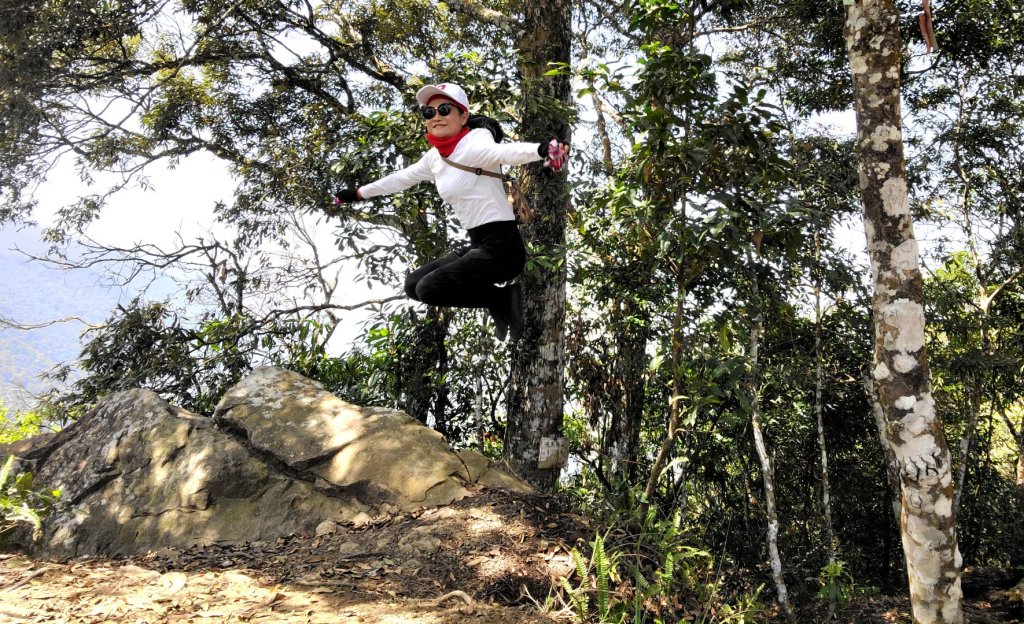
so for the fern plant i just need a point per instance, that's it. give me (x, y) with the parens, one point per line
(602, 570)
(602, 566)
(578, 595)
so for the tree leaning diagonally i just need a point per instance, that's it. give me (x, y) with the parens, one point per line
(901, 361)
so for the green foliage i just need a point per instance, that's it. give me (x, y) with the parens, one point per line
(148, 345)
(836, 586)
(19, 502)
(602, 566)
(363, 377)
(644, 569)
(20, 425)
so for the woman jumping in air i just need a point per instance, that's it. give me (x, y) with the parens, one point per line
(468, 278)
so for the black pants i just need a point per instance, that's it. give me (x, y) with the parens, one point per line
(467, 278)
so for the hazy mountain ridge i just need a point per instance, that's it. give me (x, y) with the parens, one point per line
(33, 293)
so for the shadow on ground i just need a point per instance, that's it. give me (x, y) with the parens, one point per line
(492, 557)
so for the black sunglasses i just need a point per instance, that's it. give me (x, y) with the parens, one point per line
(429, 111)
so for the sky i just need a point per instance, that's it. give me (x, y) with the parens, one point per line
(179, 199)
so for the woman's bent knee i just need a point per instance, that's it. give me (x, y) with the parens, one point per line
(410, 287)
(426, 291)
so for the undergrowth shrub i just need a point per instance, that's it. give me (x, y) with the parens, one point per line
(19, 502)
(647, 570)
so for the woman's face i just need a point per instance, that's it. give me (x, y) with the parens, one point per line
(444, 126)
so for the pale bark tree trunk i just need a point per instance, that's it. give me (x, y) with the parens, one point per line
(535, 401)
(892, 469)
(767, 472)
(901, 361)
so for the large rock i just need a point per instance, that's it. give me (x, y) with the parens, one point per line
(280, 456)
(383, 453)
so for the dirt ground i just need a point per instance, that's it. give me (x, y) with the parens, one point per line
(989, 598)
(491, 558)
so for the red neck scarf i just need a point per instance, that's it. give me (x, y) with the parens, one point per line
(446, 146)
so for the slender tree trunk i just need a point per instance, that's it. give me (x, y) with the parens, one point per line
(427, 359)
(535, 399)
(826, 502)
(674, 408)
(1017, 550)
(602, 133)
(966, 441)
(1018, 524)
(623, 435)
(901, 360)
(892, 469)
(768, 473)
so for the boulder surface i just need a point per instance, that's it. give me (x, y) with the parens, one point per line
(280, 456)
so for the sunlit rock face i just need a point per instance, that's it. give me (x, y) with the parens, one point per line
(280, 456)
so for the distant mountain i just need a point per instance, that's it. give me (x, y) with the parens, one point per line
(32, 293)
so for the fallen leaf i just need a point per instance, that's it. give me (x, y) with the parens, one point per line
(173, 582)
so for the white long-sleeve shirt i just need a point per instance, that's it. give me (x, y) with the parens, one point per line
(476, 199)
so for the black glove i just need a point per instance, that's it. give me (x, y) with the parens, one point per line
(346, 196)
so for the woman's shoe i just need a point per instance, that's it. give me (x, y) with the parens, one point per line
(500, 326)
(515, 311)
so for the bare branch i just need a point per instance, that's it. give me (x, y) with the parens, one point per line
(321, 307)
(12, 324)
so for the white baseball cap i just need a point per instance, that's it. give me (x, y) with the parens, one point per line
(446, 89)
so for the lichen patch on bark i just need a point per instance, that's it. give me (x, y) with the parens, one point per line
(905, 257)
(904, 362)
(906, 402)
(884, 135)
(895, 200)
(904, 320)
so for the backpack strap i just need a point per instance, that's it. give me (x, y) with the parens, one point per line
(475, 170)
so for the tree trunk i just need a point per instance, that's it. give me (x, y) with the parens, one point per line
(966, 441)
(901, 360)
(892, 469)
(1017, 556)
(826, 503)
(1017, 549)
(427, 360)
(535, 400)
(623, 435)
(674, 407)
(754, 390)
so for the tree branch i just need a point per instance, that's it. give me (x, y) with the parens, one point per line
(485, 15)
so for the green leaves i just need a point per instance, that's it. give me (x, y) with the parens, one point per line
(19, 502)
(601, 567)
